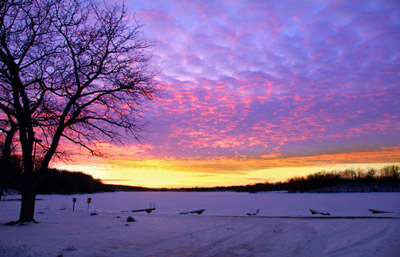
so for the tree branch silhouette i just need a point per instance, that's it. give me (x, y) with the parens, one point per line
(72, 69)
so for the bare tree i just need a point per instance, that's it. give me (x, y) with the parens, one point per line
(72, 70)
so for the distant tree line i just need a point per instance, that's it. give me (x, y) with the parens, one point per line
(56, 181)
(386, 179)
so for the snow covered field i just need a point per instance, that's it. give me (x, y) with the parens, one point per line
(283, 226)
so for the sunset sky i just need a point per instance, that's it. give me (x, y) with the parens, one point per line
(255, 91)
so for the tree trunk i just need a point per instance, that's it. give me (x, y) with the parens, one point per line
(5, 158)
(3, 170)
(4, 167)
(27, 213)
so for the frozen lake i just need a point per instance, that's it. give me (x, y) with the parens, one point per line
(223, 229)
(230, 203)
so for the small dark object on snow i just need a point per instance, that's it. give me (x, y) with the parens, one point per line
(93, 214)
(375, 211)
(40, 212)
(70, 249)
(73, 203)
(253, 212)
(130, 219)
(318, 212)
(118, 217)
(200, 211)
(148, 210)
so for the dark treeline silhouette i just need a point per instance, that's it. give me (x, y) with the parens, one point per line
(59, 182)
(64, 182)
(386, 179)
(56, 181)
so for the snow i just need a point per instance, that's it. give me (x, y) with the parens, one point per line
(283, 227)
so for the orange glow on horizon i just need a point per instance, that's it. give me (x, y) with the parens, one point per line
(222, 171)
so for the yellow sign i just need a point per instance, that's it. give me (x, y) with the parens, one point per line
(89, 200)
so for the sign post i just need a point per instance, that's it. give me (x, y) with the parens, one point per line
(89, 200)
(73, 203)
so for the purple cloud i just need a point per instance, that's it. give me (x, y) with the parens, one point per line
(262, 77)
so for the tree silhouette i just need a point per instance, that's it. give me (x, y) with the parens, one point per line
(8, 128)
(70, 70)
